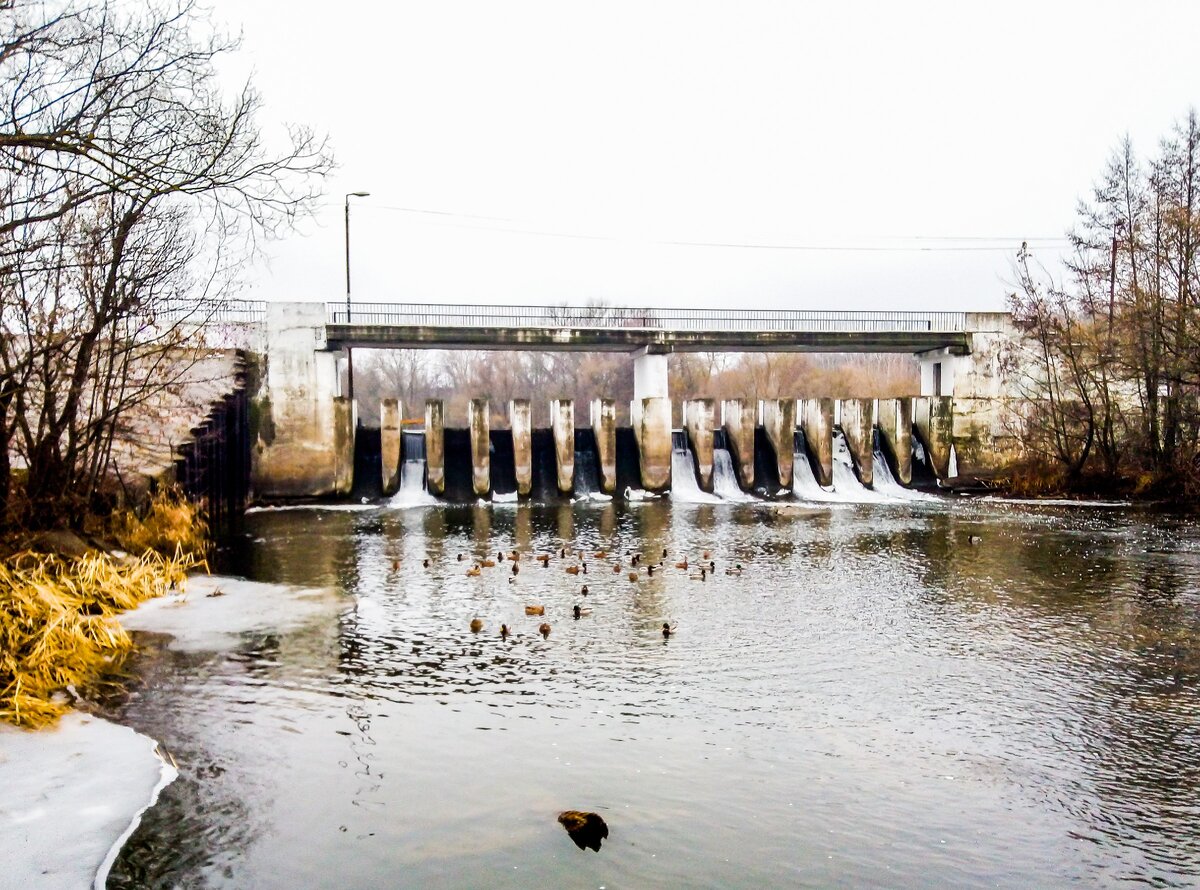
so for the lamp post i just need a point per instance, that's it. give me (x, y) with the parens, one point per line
(349, 360)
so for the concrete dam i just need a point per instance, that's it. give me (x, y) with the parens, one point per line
(309, 444)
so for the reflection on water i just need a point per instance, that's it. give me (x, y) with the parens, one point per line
(873, 701)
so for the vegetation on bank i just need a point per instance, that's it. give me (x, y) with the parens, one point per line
(1112, 373)
(59, 631)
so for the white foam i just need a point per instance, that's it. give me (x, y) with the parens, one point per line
(72, 795)
(725, 482)
(330, 508)
(412, 491)
(683, 481)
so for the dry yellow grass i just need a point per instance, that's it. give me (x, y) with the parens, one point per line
(58, 625)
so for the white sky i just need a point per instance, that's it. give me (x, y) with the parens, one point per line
(828, 125)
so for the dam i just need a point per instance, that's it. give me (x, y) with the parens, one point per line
(305, 428)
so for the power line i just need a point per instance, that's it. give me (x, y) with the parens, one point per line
(1010, 243)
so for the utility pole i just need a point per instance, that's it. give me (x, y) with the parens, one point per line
(349, 356)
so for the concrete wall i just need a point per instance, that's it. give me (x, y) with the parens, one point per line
(652, 429)
(562, 422)
(988, 402)
(698, 416)
(650, 376)
(817, 423)
(604, 426)
(739, 418)
(389, 444)
(894, 417)
(435, 446)
(933, 418)
(858, 424)
(779, 422)
(301, 446)
(521, 423)
(479, 425)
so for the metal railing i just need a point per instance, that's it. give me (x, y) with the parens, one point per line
(622, 317)
(204, 312)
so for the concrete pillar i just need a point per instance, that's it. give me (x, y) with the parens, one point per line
(435, 446)
(479, 425)
(894, 417)
(652, 429)
(649, 376)
(858, 424)
(389, 444)
(604, 426)
(933, 417)
(738, 417)
(817, 424)
(294, 453)
(519, 419)
(345, 422)
(562, 422)
(698, 416)
(779, 421)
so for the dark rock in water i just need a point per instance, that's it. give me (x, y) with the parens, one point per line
(587, 830)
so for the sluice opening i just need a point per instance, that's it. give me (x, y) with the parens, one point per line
(368, 467)
(587, 464)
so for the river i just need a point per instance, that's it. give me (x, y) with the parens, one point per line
(874, 700)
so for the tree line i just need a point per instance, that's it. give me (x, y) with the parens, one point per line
(133, 187)
(1113, 358)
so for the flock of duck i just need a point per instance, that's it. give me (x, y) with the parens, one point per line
(577, 564)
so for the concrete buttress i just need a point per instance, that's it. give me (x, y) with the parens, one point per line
(604, 427)
(435, 446)
(858, 425)
(652, 429)
(933, 418)
(779, 421)
(562, 422)
(817, 424)
(739, 422)
(894, 417)
(519, 419)
(698, 416)
(479, 425)
(389, 444)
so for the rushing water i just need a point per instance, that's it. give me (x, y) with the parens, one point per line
(872, 701)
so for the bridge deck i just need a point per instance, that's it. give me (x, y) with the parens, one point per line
(622, 329)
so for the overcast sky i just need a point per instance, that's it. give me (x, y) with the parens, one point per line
(574, 140)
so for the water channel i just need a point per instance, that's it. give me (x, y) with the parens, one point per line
(871, 701)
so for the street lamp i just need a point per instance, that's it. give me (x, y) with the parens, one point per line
(349, 360)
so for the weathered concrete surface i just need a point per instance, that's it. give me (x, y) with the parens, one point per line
(779, 422)
(345, 421)
(650, 376)
(296, 452)
(604, 426)
(562, 422)
(988, 402)
(739, 418)
(435, 446)
(817, 425)
(479, 425)
(858, 424)
(389, 444)
(894, 417)
(652, 429)
(520, 420)
(933, 417)
(698, 417)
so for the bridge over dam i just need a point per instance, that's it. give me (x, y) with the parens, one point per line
(304, 420)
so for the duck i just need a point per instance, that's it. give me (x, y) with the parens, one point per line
(488, 563)
(664, 556)
(706, 555)
(500, 555)
(637, 557)
(667, 630)
(544, 629)
(601, 554)
(701, 575)
(735, 569)
(476, 625)
(504, 631)
(650, 570)
(535, 610)
(577, 610)
(583, 567)
(461, 557)
(584, 592)
(544, 559)
(473, 572)
(515, 568)
(616, 568)
(633, 576)
(586, 830)
(425, 563)
(395, 565)
(515, 556)
(562, 554)
(712, 566)
(572, 570)
(682, 565)
(974, 539)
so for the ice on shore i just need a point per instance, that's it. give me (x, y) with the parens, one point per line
(71, 796)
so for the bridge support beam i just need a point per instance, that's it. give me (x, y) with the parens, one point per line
(303, 438)
(779, 421)
(933, 418)
(562, 422)
(604, 427)
(519, 420)
(738, 417)
(435, 446)
(858, 425)
(479, 425)
(389, 444)
(652, 428)
(817, 425)
(698, 415)
(894, 417)
(649, 375)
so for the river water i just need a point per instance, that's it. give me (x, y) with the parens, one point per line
(874, 701)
